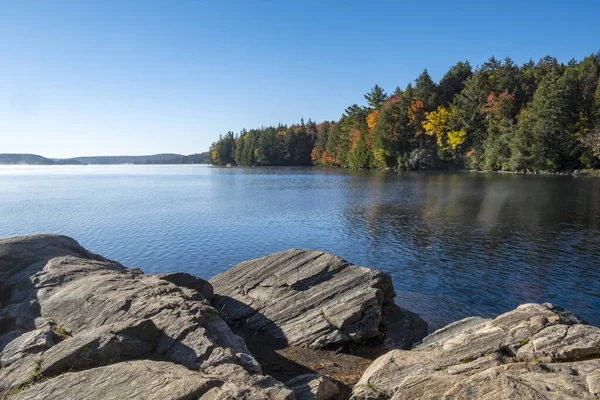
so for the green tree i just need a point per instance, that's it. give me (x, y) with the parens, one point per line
(360, 155)
(321, 143)
(543, 141)
(376, 97)
(222, 151)
(332, 143)
(425, 91)
(453, 82)
(386, 136)
(500, 115)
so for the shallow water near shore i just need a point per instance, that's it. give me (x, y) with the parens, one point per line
(456, 244)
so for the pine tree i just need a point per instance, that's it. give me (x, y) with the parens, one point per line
(453, 82)
(547, 123)
(425, 91)
(376, 97)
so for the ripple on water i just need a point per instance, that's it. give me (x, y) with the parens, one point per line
(455, 244)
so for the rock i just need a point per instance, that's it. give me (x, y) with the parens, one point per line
(19, 256)
(313, 387)
(92, 297)
(313, 299)
(191, 282)
(562, 343)
(72, 310)
(493, 359)
(403, 328)
(104, 345)
(593, 382)
(128, 380)
(31, 342)
(439, 337)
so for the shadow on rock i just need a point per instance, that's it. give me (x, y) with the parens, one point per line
(70, 316)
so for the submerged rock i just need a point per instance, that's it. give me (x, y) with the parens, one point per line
(537, 351)
(71, 317)
(314, 299)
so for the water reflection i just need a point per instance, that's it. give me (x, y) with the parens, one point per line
(476, 243)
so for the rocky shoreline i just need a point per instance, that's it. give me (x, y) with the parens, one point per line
(293, 325)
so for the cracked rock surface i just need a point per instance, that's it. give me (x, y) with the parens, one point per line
(76, 325)
(537, 351)
(314, 299)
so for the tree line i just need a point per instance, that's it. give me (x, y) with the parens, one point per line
(499, 116)
(199, 158)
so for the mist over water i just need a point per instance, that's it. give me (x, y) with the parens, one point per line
(456, 244)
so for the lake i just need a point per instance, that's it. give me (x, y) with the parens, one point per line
(455, 244)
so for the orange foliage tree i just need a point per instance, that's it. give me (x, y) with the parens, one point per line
(372, 120)
(354, 136)
(416, 115)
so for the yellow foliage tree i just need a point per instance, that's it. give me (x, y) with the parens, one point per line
(456, 138)
(436, 124)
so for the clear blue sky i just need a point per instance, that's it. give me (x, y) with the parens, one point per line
(142, 77)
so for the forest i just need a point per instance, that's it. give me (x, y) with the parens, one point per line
(500, 116)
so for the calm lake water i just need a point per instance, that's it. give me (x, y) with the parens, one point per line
(456, 244)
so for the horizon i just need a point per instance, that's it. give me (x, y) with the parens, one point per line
(146, 78)
(96, 155)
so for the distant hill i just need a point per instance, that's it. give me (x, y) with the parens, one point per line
(124, 159)
(200, 158)
(166, 158)
(30, 159)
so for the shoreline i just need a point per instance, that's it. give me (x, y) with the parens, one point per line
(576, 172)
(298, 324)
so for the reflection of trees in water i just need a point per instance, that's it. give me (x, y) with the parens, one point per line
(487, 241)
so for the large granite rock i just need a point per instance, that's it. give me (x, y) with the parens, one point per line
(314, 299)
(76, 325)
(536, 351)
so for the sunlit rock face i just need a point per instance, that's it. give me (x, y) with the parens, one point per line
(314, 299)
(76, 325)
(537, 351)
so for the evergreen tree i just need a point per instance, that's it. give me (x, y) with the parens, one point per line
(425, 91)
(376, 97)
(546, 121)
(360, 155)
(502, 116)
(453, 82)
(332, 143)
(321, 144)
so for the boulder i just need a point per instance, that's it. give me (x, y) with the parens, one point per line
(31, 342)
(314, 299)
(143, 379)
(20, 256)
(537, 351)
(104, 345)
(72, 311)
(191, 282)
(313, 387)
